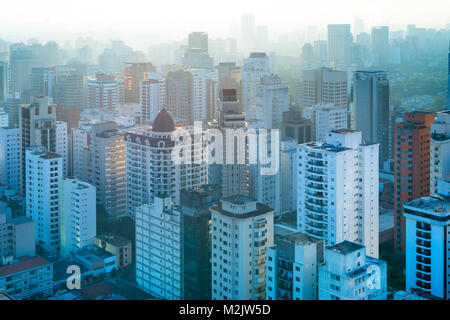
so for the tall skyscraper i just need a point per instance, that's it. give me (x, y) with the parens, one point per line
(37, 126)
(134, 73)
(242, 230)
(440, 149)
(380, 45)
(292, 267)
(324, 85)
(4, 80)
(231, 173)
(371, 108)
(159, 252)
(339, 45)
(338, 190)
(294, 126)
(411, 166)
(78, 215)
(43, 172)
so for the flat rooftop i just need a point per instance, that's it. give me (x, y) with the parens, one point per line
(113, 239)
(345, 247)
(24, 263)
(299, 239)
(436, 203)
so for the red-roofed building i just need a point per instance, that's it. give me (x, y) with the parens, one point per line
(27, 278)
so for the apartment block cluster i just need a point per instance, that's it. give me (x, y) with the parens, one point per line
(85, 151)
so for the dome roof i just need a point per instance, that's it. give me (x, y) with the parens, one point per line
(163, 122)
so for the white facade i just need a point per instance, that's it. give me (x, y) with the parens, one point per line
(292, 266)
(43, 172)
(103, 94)
(326, 117)
(78, 215)
(348, 274)
(159, 250)
(272, 99)
(440, 149)
(255, 67)
(4, 119)
(338, 190)
(152, 96)
(242, 230)
(199, 77)
(62, 145)
(10, 157)
(427, 245)
(150, 170)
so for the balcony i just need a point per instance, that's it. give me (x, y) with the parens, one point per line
(423, 235)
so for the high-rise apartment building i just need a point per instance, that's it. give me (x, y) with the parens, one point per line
(20, 64)
(326, 118)
(103, 93)
(43, 171)
(411, 166)
(427, 245)
(152, 96)
(37, 125)
(349, 274)
(294, 126)
(370, 113)
(196, 217)
(242, 230)
(17, 237)
(150, 167)
(339, 44)
(292, 267)
(272, 99)
(133, 74)
(324, 85)
(10, 157)
(78, 215)
(179, 90)
(232, 171)
(4, 80)
(198, 40)
(159, 253)
(254, 68)
(338, 190)
(247, 32)
(440, 149)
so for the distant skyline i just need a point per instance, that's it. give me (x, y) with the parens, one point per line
(141, 23)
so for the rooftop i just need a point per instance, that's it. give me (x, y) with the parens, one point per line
(300, 239)
(345, 247)
(24, 263)
(435, 203)
(239, 199)
(113, 239)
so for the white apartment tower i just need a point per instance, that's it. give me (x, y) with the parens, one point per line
(9, 157)
(326, 118)
(440, 149)
(43, 171)
(427, 245)
(152, 96)
(272, 99)
(62, 147)
(242, 230)
(292, 267)
(338, 190)
(103, 93)
(159, 255)
(348, 274)
(77, 211)
(150, 169)
(254, 68)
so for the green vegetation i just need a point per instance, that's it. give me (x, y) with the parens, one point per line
(395, 266)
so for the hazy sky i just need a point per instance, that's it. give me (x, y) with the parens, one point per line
(140, 22)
